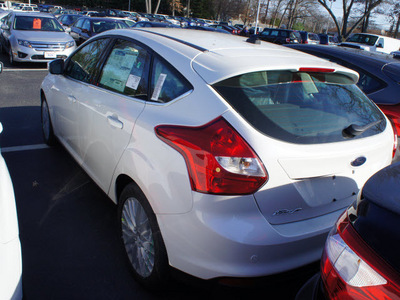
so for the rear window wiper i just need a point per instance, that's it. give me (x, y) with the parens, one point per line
(354, 130)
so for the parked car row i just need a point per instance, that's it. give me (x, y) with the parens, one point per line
(290, 36)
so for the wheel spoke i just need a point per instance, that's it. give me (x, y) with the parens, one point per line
(138, 237)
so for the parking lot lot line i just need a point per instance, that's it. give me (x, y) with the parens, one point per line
(24, 148)
(18, 70)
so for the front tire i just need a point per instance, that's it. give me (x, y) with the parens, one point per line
(10, 56)
(141, 238)
(47, 127)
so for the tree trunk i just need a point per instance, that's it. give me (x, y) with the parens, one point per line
(158, 5)
(396, 30)
(284, 12)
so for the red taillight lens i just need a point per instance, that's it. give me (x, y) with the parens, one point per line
(350, 269)
(218, 159)
(393, 114)
(316, 70)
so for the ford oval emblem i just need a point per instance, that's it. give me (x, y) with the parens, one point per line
(358, 161)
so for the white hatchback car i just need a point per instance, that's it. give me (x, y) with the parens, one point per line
(227, 158)
(10, 246)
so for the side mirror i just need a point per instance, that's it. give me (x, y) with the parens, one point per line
(56, 66)
(5, 27)
(1, 127)
(379, 45)
(68, 30)
(1, 67)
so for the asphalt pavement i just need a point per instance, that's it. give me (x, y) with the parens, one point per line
(68, 226)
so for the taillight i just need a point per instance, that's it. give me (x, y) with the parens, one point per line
(395, 125)
(218, 159)
(393, 114)
(350, 269)
(287, 40)
(316, 70)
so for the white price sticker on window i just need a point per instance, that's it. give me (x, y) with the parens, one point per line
(133, 82)
(158, 87)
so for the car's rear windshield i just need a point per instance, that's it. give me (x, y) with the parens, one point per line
(37, 24)
(303, 107)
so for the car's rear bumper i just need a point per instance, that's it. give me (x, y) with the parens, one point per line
(229, 237)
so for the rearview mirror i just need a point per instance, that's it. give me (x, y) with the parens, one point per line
(56, 66)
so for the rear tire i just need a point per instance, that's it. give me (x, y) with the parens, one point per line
(141, 239)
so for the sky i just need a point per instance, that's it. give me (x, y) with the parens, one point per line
(379, 20)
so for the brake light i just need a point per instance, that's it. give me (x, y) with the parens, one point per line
(350, 269)
(218, 159)
(316, 70)
(287, 40)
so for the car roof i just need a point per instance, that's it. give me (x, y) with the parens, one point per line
(341, 50)
(217, 56)
(33, 14)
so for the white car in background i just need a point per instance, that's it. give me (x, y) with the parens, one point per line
(10, 246)
(34, 37)
(227, 157)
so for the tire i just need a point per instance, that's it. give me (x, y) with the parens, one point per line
(47, 127)
(141, 239)
(10, 56)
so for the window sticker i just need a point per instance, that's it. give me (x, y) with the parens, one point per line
(117, 70)
(158, 87)
(133, 82)
(37, 24)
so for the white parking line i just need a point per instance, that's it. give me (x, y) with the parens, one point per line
(24, 148)
(15, 70)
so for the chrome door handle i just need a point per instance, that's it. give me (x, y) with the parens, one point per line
(113, 121)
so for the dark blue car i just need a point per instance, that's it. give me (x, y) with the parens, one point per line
(361, 257)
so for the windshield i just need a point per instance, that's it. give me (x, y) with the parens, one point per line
(366, 39)
(37, 24)
(302, 107)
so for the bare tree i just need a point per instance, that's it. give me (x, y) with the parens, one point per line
(348, 5)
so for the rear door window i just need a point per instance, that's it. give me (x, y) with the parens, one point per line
(167, 84)
(302, 107)
(126, 70)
